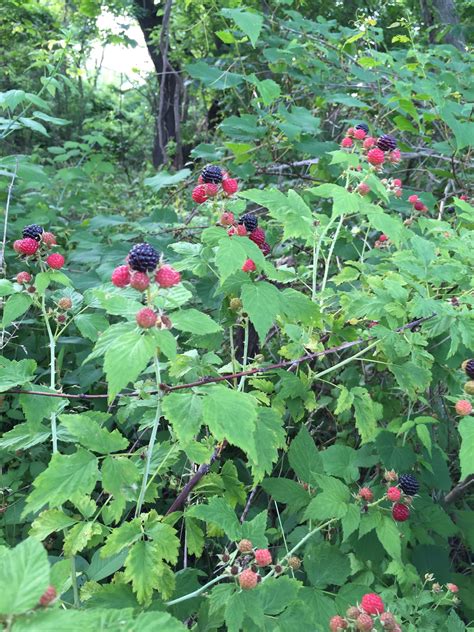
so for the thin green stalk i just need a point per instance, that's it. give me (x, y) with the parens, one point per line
(197, 592)
(245, 357)
(316, 251)
(328, 261)
(346, 361)
(52, 371)
(75, 590)
(151, 443)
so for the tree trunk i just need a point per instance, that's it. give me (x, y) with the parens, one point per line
(444, 14)
(168, 103)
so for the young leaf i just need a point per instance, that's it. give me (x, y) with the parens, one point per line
(184, 412)
(49, 521)
(304, 457)
(262, 303)
(147, 572)
(250, 23)
(91, 435)
(194, 322)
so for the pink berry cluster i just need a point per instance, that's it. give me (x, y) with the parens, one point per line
(257, 235)
(400, 500)
(417, 204)
(37, 249)
(378, 150)
(208, 190)
(382, 242)
(365, 617)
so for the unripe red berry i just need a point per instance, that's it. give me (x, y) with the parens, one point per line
(241, 230)
(294, 562)
(418, 205)
(372, 604)
(347, 142)
(65, 302)
(248, 579)
(376, 156)
(352, 612)
(249, 266)
(146, 318)
(390, 476)
(360, 134)
(55, 261)
(388, 621)
(397, 182)
(199, 194)
(257, 236)
(350, 131)
(369, 142)
(23, 277)
(263, 557)
(48, 596)
(412, 199)
(121, 276)
(211, 189)
(395, 156)
(463, 407)
(230, 185)
(364, 623)
(366, 494)
(400, 512)
(48, 239)
(452, 588)
(17, 245)
(398, 193)
(393, 494)
(337, 623)
(245, 546)
(167, 276)
(226, 219)
(464, 198)
(27, 246)
(363, 188)
(383, 238)
(139, 281)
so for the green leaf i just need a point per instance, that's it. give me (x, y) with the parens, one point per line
(230, 256)
(6, 287)
(36, 408)
(218, 512)
(250, 23)
(350, 522)
(48, 522)
(147, 572)
(15, 373)
(262, 303)
(15, 306)
(342, 461)
(367, 413)
(121, 537)
(304, 457)
(119, 475)
(184, 412)
(194, 537)
(231, 415)
(65, 476)
(466, 454)
(269, 438)
(164, 179)
(277, 593)
(343, 201)
(165, 342)
(194, 322)
(102, 567)
(254, 530)
(166, 541)
(78, 536)
(331, 502)
(126, 358)
(325, 564)
(389, 536)
(33, 125)
(89, 432)
(91, 325)
(284, 490)
(24, 577)
(215, 78)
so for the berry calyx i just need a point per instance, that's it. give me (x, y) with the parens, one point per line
(55, 261)
(48, 596)
(372, 604)
(143, 257)
(167, 276)
(199, 194)
(27, 246)
(139, 281)
(248, 579)
(352, 612)
(48, 239)
(294, 562)
(394, 494)
(400, 512)
(390, 476)
(463, 407)
(408, 484)
(376, 156)
(121, 276)
(245, 546)
(250, 221)
(33, 231)
(347, 142)
(263, 557)
(369, 142)
(249, 266)
(65, 303)
(211, 174)
(146, 318)
(363, 188)
(386, 142)
(366, 494)
(23, 277)
(230, 185)
(257, 236)
(364, 623)
(337, 623)
(468, 368)
(226, 219)
(360, 134)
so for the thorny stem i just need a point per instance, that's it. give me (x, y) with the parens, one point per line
(52, 371)
(151, 443)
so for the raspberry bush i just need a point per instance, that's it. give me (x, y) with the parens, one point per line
(239, 396)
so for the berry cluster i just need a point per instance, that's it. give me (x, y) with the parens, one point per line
(417, 204)
(382, 242)
(143, 266)
(246, 226)
(212, 177)
(463, 406)
(35, 243)
(400, 492)
(365, 616)
(378, 149)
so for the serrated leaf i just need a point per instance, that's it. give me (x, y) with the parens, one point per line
(331, 502)
(65, 476)
(184, 412)
(77, 538)
(48, 522)
(250, 23)
(326, 565)
(194, 537)
(367, 413)
(24, 577)
(304, 457)
(36, 408)
(269, 438)
(91, 435)
(230, 256)
(389, 536)
(350, 522)
(194, 322)
(262, 303)
(121, 537)
(119, 475)
(15, 373)
(126, 358)
(15, 306)
(147, 572)
(466, 453)
(220, 513)
(166, 541)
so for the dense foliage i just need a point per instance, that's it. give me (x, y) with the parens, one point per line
(237, 386)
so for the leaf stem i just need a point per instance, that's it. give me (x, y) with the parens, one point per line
(75, 590)
(328, 260)
(197, 592)
(151, 443)
(52, 371)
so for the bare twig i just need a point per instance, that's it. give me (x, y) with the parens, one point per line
(5, 221)
(458, 491)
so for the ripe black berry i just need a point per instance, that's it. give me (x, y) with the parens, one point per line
(469, 368)
(387, 142)
(33, 231)
(408, 484)
(363, 126)
(143, 257)
(211, 173)
(250, 221)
